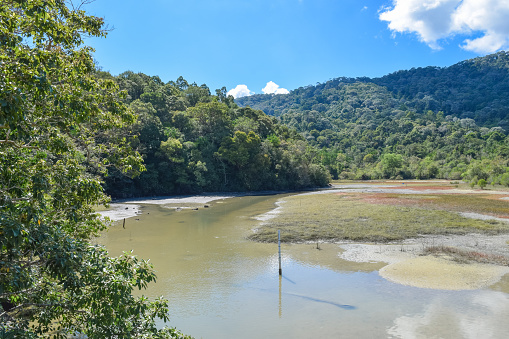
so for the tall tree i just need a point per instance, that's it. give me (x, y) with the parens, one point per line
(56, 135)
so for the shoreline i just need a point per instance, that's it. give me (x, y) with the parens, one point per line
(119, 208)
(406, 263)
(128, 208)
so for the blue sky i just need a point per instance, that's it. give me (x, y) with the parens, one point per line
(292, 43)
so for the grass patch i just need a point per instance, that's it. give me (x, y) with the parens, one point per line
(331, 217)
(466, 257)
(477, 203)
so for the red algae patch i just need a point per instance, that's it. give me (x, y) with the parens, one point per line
(397, 199)
(487, 204)
(423, 188)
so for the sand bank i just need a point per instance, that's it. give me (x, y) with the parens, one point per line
(440, 273)
(121, 211)
(128, 208)
(189, 199)
(407, 265)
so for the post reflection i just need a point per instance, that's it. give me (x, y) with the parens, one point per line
(280, 304)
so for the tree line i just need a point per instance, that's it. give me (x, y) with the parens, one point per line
(192, 141)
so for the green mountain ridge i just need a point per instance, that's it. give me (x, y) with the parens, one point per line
(472, 88)
(422, 123)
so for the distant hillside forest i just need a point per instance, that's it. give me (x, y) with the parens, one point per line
(192, 141)
(422, 123)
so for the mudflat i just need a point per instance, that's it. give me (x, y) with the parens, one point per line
(431, 234)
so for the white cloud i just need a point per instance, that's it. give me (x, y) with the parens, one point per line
(488, 16)
(481, 316)
(433, 20)
(240, 91)
(273, 88)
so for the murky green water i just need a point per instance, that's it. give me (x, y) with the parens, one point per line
(222, 286)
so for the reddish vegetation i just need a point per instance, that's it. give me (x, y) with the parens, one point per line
(434, 200)
(393, 199)
(497, 197)
(423, 188)
(469, 255)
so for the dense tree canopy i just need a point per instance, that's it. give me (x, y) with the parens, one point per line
(193, 141)
(437, 122)
(61, 128)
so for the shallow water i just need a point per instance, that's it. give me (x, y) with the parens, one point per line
(221, 285)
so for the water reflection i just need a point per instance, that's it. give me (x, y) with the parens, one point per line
(345, 307)
(222, 286)
(280, 293)
(483, 315)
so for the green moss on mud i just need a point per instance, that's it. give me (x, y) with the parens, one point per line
(333, 217)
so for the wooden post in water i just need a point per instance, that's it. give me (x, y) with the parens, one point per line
(123, 225)
(279, 245)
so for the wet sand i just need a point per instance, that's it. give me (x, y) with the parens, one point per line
(121, 211)
(128, 208)
(407, 265)
(192, 199)
(440, 273)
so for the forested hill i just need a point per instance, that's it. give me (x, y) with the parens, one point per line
(422, 123)
(192, 141)
(476, 89)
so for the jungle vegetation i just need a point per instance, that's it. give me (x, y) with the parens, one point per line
(422, 123)
(192, 141)
(70, 134)
(59, 134)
